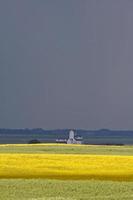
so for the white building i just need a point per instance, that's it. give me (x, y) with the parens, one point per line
(72, 140)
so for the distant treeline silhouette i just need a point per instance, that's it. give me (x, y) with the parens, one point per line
(103, 136)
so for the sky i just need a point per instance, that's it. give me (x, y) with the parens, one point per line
(66, 64)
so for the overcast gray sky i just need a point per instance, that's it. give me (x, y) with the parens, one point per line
(66, 64)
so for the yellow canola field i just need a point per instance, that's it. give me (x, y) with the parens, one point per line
(70, 166)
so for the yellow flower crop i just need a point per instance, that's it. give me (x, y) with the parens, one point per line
(66, 166)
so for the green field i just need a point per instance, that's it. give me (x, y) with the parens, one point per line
(68, 149)
(40, 189)
(64, 190)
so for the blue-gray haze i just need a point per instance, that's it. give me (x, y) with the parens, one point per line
(66, 64)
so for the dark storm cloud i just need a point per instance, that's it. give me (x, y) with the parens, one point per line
(66, 64)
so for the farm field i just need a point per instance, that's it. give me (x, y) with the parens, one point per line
(66, 149)
(66, 172)
(39, 189)
(67, 167)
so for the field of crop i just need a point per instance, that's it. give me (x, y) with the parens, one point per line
(71, 172)
(66, 149)
(61, 166)
(44, 189)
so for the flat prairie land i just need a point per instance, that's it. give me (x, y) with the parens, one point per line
(67, 149)
(71, 172)
(67, 167)
(43, 189)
